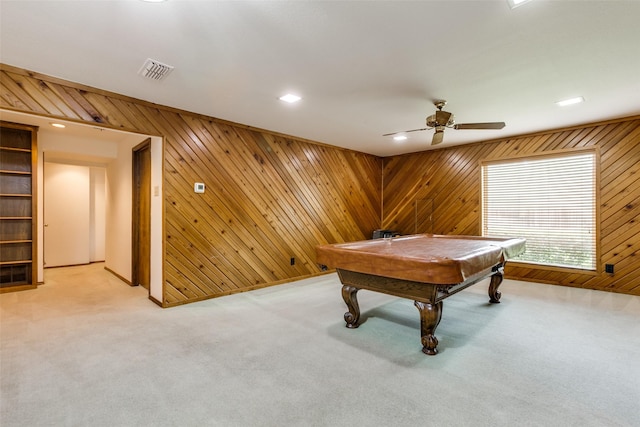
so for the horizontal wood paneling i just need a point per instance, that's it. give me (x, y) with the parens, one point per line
(450, 178)
(269, 197)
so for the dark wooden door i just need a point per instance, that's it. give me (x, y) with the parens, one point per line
(141, 245)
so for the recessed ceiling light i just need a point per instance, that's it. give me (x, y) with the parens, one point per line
(58, 125)
(400, 137)
(570, 101)
(516, 3)
(290, 98)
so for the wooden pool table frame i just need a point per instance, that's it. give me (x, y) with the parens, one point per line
(424, 268)
(427, 297)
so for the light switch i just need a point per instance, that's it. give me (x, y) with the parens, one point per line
(198, 187)
(156, 191)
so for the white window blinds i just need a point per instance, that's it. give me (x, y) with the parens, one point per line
(550, 201)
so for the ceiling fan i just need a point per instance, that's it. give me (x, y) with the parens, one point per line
(443, 119)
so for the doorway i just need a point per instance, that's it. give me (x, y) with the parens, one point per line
(112, 150)
(74, 214)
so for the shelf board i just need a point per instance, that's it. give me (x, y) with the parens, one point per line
(25, 261)
(22, 150)
(14, 195)
(16, 286)
(16, 217)
(6, 242)
(12, 172)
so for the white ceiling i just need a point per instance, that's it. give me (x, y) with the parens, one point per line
(363, 68)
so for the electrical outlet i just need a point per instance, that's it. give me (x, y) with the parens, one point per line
(608, 268)
(293, 261)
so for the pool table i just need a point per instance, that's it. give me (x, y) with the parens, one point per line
(424, 267)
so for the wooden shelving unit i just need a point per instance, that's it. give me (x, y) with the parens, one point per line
(18, 154)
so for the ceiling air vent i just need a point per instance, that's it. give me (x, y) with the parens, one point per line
(155, 70)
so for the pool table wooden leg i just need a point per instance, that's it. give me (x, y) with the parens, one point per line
(430, 315)
(496, 280)
(349, 295)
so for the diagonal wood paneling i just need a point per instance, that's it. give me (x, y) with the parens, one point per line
(450, 177)
(269, 197)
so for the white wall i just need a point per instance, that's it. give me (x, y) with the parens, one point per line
(157, 213)
(97, 213)
(119, 210)
(69, 146)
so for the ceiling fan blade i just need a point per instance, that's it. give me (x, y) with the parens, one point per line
(438, 136)
(405, 131)
(490, 125)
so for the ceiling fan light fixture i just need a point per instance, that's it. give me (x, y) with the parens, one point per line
(290, 98)
(570, 101)
(515, 3)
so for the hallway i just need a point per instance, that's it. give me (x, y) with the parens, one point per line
(88, 288)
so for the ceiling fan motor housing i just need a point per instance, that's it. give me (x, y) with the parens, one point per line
(440, 118)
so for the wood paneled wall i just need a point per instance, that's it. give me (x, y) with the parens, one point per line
(269, 197)
(439, 191)
(272, 197)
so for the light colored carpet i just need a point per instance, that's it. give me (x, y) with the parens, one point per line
(87, 350)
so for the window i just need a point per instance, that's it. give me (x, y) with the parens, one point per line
(550, 201)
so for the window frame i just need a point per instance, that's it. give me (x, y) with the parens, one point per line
(550, 155)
